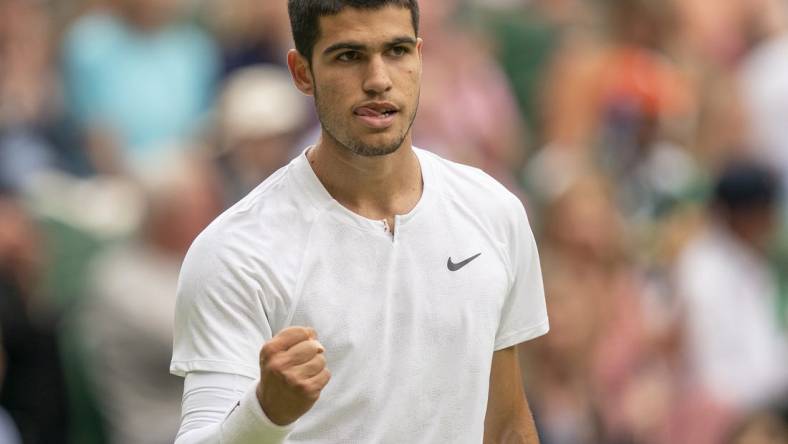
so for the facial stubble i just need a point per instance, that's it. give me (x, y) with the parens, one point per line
(329, 122)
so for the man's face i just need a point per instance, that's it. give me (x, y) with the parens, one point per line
(366, 73)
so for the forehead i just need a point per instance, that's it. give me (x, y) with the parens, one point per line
(368, 26)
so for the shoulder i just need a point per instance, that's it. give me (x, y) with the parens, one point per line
(473, 189)
(263, 231)
(242, 271)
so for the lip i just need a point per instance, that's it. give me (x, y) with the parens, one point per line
(371, 114)
(382, 122)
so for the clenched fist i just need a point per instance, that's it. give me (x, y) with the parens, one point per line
(292, 374)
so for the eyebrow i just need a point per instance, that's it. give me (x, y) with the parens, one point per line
(353, 46)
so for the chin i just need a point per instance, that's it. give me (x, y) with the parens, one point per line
(375, 146)
(376, 150)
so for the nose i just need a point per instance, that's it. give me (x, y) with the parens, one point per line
(377, 80)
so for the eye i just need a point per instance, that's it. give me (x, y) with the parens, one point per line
(349, 56)
(399, 51)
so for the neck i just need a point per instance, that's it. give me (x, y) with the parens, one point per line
(376, 187)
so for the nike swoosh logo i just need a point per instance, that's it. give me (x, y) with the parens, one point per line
(454, 267)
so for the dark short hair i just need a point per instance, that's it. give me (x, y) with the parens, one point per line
(305, 17)
(745, 185)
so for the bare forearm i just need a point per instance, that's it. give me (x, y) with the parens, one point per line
(508, 419)
(518, 428)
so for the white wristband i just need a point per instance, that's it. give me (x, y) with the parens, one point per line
(247, 423)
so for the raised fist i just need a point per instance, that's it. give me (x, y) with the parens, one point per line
(292, 374)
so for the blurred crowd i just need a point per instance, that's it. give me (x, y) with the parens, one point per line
(647, 138)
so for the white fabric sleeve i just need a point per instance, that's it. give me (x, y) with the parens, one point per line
(223, 408)
(524, 314)
(223, 308)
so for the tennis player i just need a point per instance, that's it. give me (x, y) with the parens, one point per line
(369, 291)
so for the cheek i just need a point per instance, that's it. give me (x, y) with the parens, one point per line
(331, 92)
(413, 75)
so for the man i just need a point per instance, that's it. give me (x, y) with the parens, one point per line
(260, 116)
(131, 294)
(137, 81)
(736, 346)
(764, 83)
(417, 275)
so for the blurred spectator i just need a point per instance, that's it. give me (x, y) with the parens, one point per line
(657, 95)
(761, 428)
(137, 80)
(26, 82)
(721, 121)
(736, 348)
(251, 32)
(620, 72)
(559, 390)
(526, 35)
(8, 431)
(127, 320)
(617, 102)
(261, 119)
(597, 330)
(712, 32)
(29, 99)
(610, 370)
(34, 390)
(583, 223)
(79, 217)
(764, 78)
(467, 112)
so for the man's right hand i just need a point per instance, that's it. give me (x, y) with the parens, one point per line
(292, 374)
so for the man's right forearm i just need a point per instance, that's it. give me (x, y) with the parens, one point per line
(218, 410)
(292, 375)
(247, 423)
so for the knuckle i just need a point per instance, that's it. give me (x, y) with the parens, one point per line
(276, 364)
(292, 381)
(303, 387)
(299, 334)
(266, 352)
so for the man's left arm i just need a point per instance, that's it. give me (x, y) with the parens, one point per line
(508, 419)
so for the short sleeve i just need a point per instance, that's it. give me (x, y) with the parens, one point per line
(220, 320)
(524, 314)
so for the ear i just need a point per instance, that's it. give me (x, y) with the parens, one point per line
(302, 75)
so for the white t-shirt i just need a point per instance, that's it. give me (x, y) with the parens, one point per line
(408, 341)
(735, 344)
